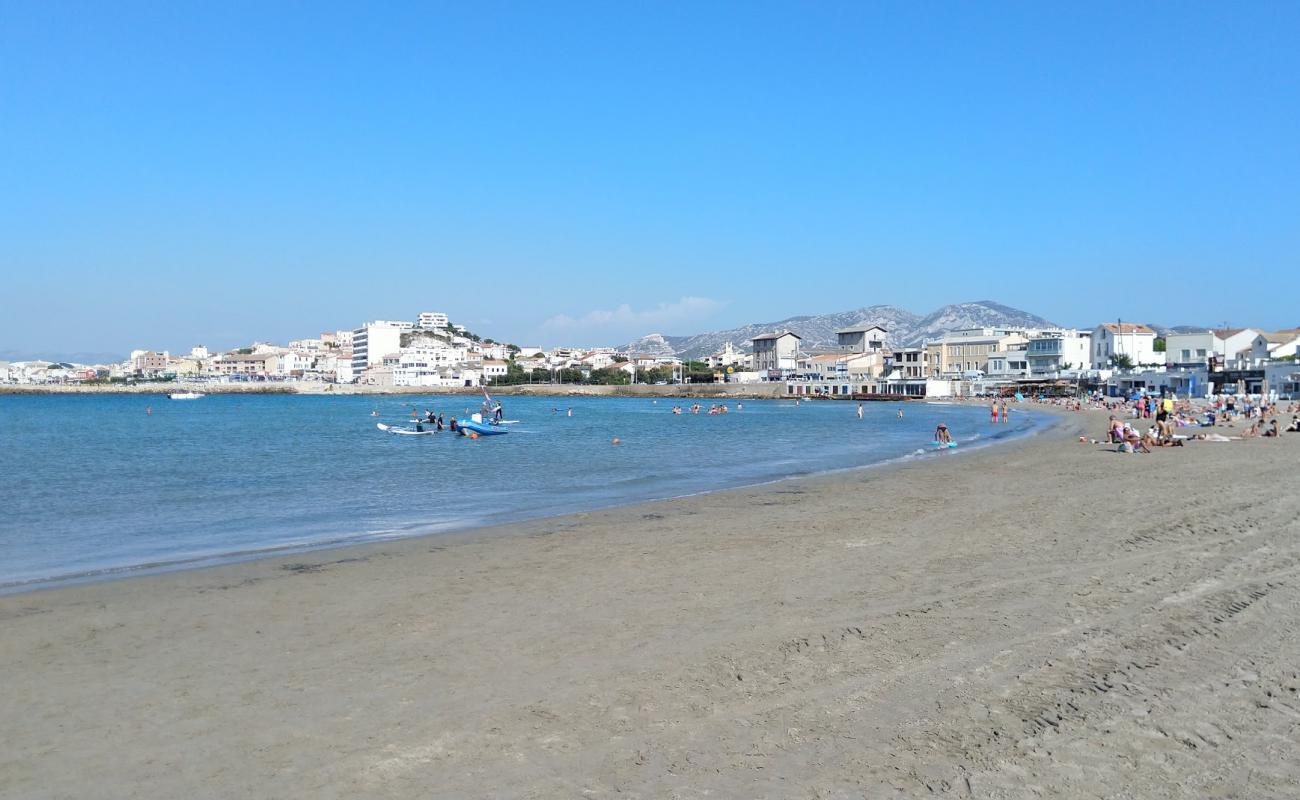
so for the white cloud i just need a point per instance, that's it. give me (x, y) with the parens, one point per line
(625, 317)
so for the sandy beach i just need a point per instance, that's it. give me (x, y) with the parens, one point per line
(1040, 619)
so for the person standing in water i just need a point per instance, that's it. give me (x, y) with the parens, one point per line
(1004, 411)
(859, 411)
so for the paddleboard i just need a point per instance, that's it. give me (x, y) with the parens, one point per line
(403, 431)
(941, 445)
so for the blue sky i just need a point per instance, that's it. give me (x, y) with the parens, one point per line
(582, 173)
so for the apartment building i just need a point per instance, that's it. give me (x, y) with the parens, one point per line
(374, 340)
(967, 351)
(1054, 352)
(776, 352)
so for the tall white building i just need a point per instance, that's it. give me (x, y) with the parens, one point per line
(374, 340)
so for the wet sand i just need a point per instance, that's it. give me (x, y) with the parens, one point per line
(1040, 619)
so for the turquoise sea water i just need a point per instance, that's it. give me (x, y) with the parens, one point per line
(93, 486)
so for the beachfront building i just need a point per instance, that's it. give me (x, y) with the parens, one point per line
(776, 354)
(909, 363)
(861, 338)
(967, 351)
(374, 340)
(1055, 352)
(1190, 382)
(1008, 365)
(1278, 344)
(1113, 340)
(1198, 348)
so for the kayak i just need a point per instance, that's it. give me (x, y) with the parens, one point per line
(403, 431)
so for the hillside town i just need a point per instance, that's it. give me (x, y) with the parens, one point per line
(1114, 358)
(429, 351)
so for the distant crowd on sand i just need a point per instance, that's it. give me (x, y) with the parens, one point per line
(1251, 416)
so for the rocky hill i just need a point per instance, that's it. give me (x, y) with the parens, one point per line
(905, 328)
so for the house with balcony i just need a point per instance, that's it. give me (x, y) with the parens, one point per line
(1197, 348)
(1052, 354)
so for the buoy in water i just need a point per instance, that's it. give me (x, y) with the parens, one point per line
(473, 435)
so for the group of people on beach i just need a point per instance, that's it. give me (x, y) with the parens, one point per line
(1262, 418)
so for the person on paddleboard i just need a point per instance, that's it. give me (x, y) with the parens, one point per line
(942, 435)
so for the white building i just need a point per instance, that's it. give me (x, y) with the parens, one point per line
(1055, 352)
(728, 356)
(496, 352)
(1275, 345)
(1113, 339)
(1196, 349)
(1007, 365)
(494, 368)
(374, 340)
(435, 320)
(597, 360)
(200, 352)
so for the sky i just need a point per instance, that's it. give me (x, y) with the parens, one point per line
(584, 173)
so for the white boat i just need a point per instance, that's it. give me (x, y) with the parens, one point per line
(184, 395)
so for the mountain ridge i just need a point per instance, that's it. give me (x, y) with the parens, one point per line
(905, 328)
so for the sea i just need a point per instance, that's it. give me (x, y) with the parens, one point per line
(99, 486)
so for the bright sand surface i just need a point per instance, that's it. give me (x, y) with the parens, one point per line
(1044, 618)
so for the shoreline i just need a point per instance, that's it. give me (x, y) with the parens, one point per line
(498, 528)
(1045, 618)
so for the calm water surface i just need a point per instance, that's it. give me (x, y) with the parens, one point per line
(93, 486)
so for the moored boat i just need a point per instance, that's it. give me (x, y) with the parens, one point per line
(184, 396)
